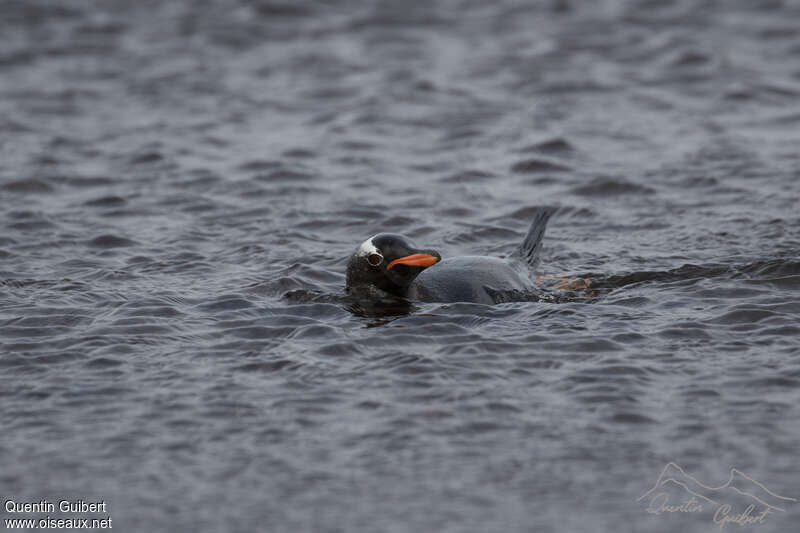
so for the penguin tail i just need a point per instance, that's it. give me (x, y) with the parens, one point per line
(529, 250)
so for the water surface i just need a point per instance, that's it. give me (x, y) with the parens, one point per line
(181, 184)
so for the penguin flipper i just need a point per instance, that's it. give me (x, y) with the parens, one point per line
(529, 250)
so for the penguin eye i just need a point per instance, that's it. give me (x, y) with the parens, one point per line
(375, 259)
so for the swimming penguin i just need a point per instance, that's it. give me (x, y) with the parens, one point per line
(393, 264)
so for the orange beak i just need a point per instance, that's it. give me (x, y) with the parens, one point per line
(420, 260)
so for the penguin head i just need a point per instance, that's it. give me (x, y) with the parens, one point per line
(388, 262)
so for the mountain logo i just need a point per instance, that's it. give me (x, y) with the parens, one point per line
(740, 500)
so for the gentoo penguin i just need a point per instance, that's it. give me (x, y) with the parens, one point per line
(393, 264)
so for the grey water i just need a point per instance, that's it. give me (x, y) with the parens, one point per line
(181, 183)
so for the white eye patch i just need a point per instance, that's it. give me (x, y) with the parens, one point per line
(367, 248)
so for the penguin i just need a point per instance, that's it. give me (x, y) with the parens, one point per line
(391, 263)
